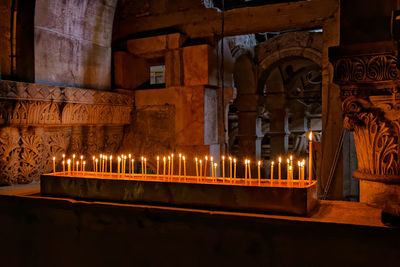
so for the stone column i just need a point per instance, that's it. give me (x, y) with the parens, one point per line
(368, 80)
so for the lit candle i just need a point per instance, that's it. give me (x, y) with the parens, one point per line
(77, 166)
(279, 169)
(169, 165)
(118, 166)
(234, 169)
(215, 170)
(197, 168)
(81, 161)
(54, 164)
(205, 166)
(291, 161)
(164, 165)
(259, 172)
(125, 164)
(94, 166)
(110, 163)
(223, 167)
(248, 165)
(310, 157)
(245, 170)
(230, 168)
(158, 164)
(212, 166)
(201, 169)
(272, 171)
(179, 170)
(184, 166)
(97, 169)
(63, 163)
(105, 163)
(303, 163)
(299, 165)
(84, 166)
(63, 156)
(287, 169)
(290, 171)
(142, 164)
(69, 166)
(101, 163)
(73, 161)
(145, 166)
(129, 161)
(133, 166)
(172, 164)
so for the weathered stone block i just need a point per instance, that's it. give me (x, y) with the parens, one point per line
(154, 46)
(130, 71)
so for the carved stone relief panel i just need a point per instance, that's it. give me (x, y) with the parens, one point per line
(38, 122)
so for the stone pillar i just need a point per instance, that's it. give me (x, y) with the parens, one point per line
(279, 136)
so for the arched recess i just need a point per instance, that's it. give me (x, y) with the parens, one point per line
(290, 79)
(73, 42)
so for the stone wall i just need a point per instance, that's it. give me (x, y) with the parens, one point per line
(73, 42)
(38, 122)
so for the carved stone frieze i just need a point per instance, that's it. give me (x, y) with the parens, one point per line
(365, 68)
(38, 122)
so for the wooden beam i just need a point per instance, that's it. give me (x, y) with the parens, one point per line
(200, 23)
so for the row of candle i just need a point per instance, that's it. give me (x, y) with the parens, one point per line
(100, 165)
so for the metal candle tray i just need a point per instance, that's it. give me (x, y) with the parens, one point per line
(290, 198)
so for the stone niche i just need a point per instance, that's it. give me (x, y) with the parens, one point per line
(368, 79)
(40, 121)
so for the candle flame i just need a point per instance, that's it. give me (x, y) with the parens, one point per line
(310, 136)
(73, 155)
(195, 159)
(234, 160)
(63, 162)
(206, 158)
(272, 163)
(97, 160)
(215, 164)
(158, 158)
(223, 157)
(145, 159)
(77, 163)
(200, 161)
(111, 157)
(81, 157)
(69, 161)
(183, 158)
(130, 156)
(291, 157)
(180, 155)
(259, 163)
(211, 158)
(54, 158)
(290, 168)
(164, 159)
(93, 157)
(63, 155)
(84, 162)
(230, 158)
(280, 159)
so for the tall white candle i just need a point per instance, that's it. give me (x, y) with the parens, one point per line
(310, 156)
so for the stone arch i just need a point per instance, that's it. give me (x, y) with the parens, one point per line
(306, 45)
(304, 51)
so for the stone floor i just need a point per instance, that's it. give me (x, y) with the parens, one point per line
(44, 231)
